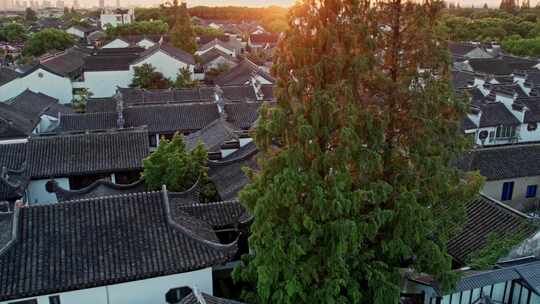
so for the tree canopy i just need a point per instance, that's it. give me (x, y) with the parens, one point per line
(182, 34)
(355, 180)
(174, 166)
(48, 39)
(184, 79)
(139, 28)
(13, 32)
(146, 77)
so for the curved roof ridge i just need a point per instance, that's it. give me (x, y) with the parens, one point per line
(97, 183)
(229, 249)
(234, 160)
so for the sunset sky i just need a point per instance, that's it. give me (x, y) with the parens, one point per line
(263, 3)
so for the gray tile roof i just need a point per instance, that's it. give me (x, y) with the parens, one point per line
(12, 156)
(242, 114)
(7, 75)
(169, 118)
(241, 74)
(98, 242)
(140, 96)
(504, 162)
(88, 121)
(36, 104)
(217, 214)
(228, 175)
(212, 136)
(80, 154)
(498, 66)
(109, 62)
(461, 49)
(95, 105)
(495, 114)
(14, 123)
(484, 217)
(68, 63)
(532, 114)
(462, 79)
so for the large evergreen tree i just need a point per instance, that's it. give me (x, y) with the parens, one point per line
(182, 34)
(355, 179)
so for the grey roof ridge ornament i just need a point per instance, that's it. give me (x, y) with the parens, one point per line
(14, 225)
(198, 295)
(230, 249)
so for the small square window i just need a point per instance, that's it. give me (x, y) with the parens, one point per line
(54, 300)
(531, 191)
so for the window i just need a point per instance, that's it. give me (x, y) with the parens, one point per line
(507, 191)
(54, 300)
(531, 191)
(506, 132)
(153, 140)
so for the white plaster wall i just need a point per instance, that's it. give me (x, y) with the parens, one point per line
(150, 291)
(527, 136)
(116, 44)
(75, 32)
(36, 192)
(164, 64)
(49, 84)
(218, 47)
(145, 43)
(214, 64)
(104, 83)
(494, 188)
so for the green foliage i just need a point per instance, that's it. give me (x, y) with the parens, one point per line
(80, 99)
(497, 246)
(172, 165)
(184, 80)
(522, 47)
(30, 14)
(139, 28)
(146, 77)
(179, 169)
(46, 40)
(355, 178)
(221, 68)
(182, 34)
(207, 31)
(13, 32)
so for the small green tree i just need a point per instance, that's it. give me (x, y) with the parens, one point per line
(80, 99)
(182, 34)
(146, 77)
(174, 166)
(184, 79)
(46, 40)
(13, 32)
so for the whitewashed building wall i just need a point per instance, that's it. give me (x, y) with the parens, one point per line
(39, 81)
(116, 44)
(136, 292)
(104, 83)
(164, 64)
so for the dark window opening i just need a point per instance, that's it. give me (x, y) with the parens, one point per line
(508, 189)
(54, 300)
(531, 191)
(80, 182)
(125, 178)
